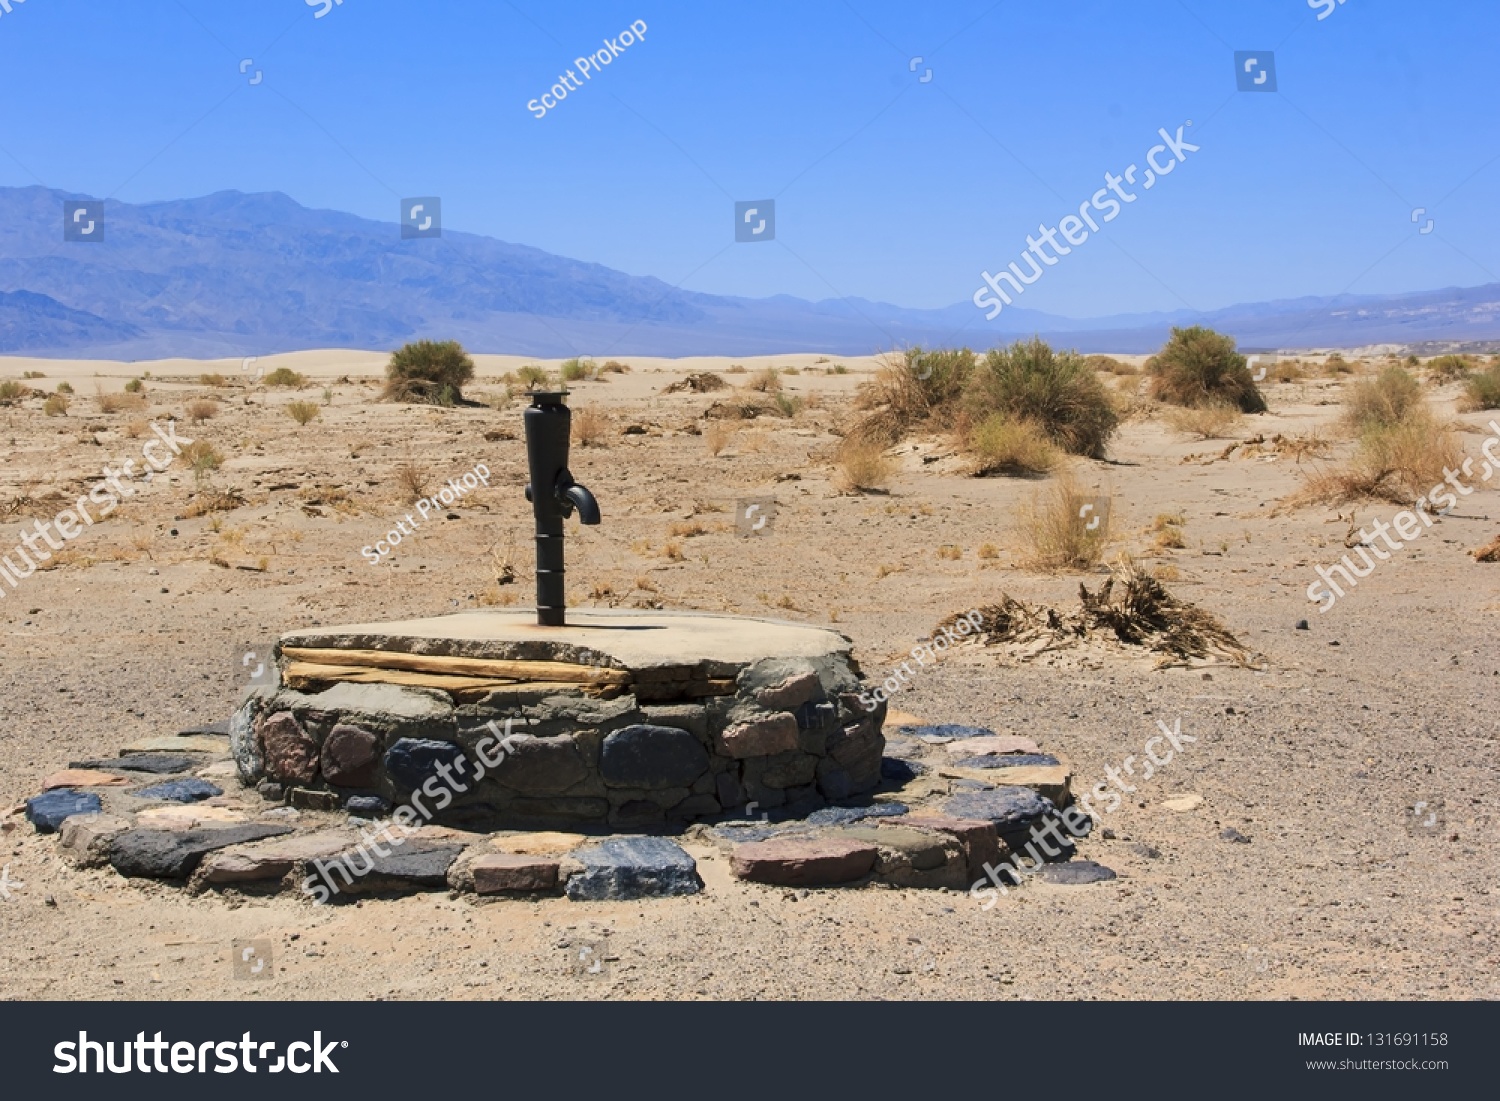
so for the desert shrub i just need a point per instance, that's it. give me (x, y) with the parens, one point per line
(717, 436)
(615, 367)
(1111, 365)
(119, 403)
(1482, 390)
(1198, 366)
(1392, 462)
(863, 466)
(411, 481)
(1056, 391)
(575, 369)
(285, 376)
(836, 369)
(1005, 445)
(212, 380)
(135, 386)
(428, 372)
(765, 381)
(701, 382)
(532, 375)
(32, 374)
(1206, 422)
(64, 388)
(1167, 527)
(789, 405)
(1286, 370)
(1450, 368)
(1056, 521)
(1336, 365)
(11, 391)
(1387, 399)
(590, 428)
(56, 405)
(910, 390)
(202, 458)
(302, 411)
(202, 410)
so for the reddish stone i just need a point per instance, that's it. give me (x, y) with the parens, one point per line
(761, 737)
(499, 873)
(788, 694)
(290, 755)
(803, 862)
(350, 757)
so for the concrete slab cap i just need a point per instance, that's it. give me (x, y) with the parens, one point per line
(625, 639)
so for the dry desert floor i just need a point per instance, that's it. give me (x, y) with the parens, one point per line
(1315, 760)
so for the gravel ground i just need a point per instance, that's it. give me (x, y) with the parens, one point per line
(1339, 892)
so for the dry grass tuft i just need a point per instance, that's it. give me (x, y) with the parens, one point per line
(1214, 421)
(765, 381)
(863, 467)
(412, 480)
(302, 411)
(591, 428)
(703, 382)
(1398, 463)
(55, 406)
(1382, 402)
(1481, 390)
(1001, 444)
(202, 410)
(1055, 524)
(1490, 552)
(717, 436)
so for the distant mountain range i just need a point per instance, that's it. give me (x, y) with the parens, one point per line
(233, 274)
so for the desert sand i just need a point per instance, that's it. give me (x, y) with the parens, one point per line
(1314, 760)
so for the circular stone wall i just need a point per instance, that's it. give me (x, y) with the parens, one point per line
(619, 719)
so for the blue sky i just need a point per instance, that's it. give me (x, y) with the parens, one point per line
(886, 186)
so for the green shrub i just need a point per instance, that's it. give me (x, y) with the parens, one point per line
(1450, 368)
(1057, 391)
(1386, 400)
(576, 370)
(135, 386)
(56, 405)
(32, 374)
(1198, 366)
(1482, 390)
(64, 388)
(532, 375)
(302, 411)
(429, 372)
(11, 391)
(285, 376)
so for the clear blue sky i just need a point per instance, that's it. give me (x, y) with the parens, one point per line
(886, 187)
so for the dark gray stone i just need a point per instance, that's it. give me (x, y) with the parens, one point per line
(370, 806)
(816, 716)
(541, 766)
(1074, 873)
(1232, 834)
(190, 789)
(161, 764)
(645, 756)
(419, 868)
(271, 791)
(48, 811)
(637, 814)
(834, 781)
(175, 854)
(949, 730)
(631, 868)
(731, 794)
(842, 816)
(1011, 809)
(1007, 760)
(696, 806)
(411, 762)
(899, 771)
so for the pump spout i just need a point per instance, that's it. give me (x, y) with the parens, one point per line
(576, 496)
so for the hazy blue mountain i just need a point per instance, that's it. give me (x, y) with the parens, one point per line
(233, 274)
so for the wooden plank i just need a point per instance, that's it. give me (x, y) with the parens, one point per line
(302, 674)
(556, 671)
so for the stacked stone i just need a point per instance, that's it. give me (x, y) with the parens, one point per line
(782, 733)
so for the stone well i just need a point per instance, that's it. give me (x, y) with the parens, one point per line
(620, 719)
